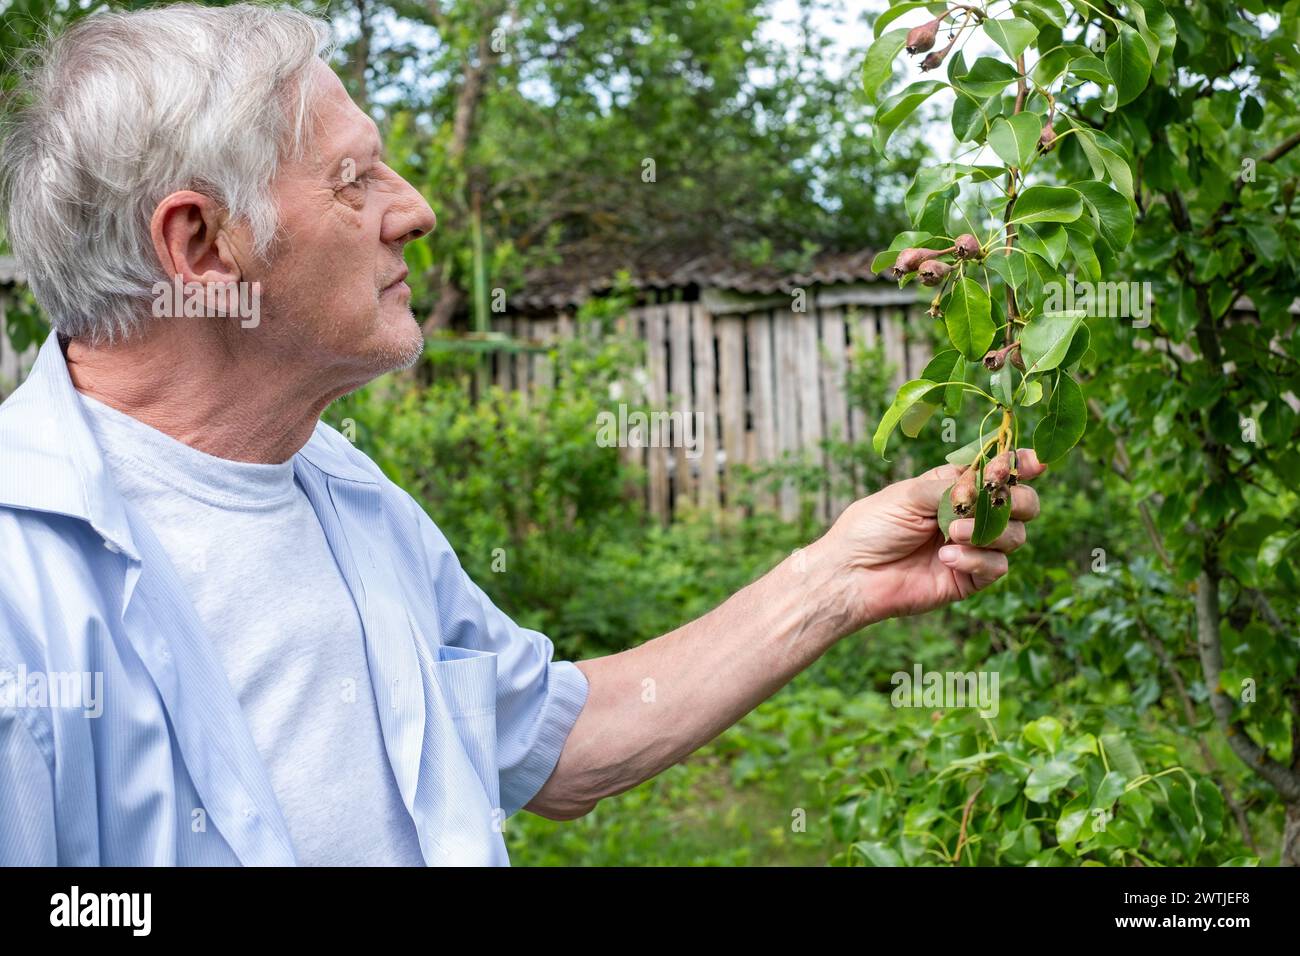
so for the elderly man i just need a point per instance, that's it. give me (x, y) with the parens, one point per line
(294, 666)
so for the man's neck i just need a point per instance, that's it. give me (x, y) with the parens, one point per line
(233, 400)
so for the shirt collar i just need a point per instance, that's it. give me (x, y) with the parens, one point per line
(50, 461)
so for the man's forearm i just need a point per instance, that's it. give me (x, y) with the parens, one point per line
(651, 706)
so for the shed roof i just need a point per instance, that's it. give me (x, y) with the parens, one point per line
(574, 280)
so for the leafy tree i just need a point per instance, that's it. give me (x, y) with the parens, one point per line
(1126, 138)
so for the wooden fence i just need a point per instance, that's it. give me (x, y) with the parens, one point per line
(754, 383)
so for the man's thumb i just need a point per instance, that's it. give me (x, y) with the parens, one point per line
(924, 491)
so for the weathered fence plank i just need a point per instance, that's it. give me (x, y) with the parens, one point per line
(706, 405)
(786, 346)
(834, 399)
(657, 397)
(808, 371)
(679, 385)
(731, 398)
(762, 392)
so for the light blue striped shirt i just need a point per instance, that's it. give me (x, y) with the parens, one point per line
(121, 742)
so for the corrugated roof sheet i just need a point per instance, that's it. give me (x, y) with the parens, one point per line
(572, 282)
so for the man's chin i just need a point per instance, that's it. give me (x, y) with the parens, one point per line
(403, 345)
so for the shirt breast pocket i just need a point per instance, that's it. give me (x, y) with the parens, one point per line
(468, 679)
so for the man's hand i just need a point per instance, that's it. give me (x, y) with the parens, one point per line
(891, 543)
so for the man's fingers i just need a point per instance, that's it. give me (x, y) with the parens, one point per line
(1028, 467)
(1024, 503)
(983, 566)
(1010, 539)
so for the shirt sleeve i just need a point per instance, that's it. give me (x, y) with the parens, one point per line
(27, 835)
(538, 698)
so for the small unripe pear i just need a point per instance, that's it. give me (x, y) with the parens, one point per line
(921, 39)
(933, 60)
(1047, 139)
(1016, 359)
(909, 260)
(997, 472)
(967, 247)
(932, 272)
(995, 359)
(964, 494)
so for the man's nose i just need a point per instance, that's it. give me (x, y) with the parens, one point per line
(410, 216)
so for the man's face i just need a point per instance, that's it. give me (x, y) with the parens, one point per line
(333, 287)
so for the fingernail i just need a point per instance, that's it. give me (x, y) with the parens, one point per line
(949, 554)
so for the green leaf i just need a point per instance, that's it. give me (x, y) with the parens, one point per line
(1071, 822)
(1137, 803)
(916, 416)
(972, 115)
(1106, 162)
(908, 395)
(1080, 236)
(930, 180)
(1064, 420)
(1209, 805)
(1128, 61)
(1112, 212)
(1047, 10)
(1088, 67)
(1033, 393)
(1045, 341)
(1109, 790)
(1014, 139)
(990, 520)
(896, 11)
(987, 77)
(969, 319)
(1048, 204)
(965, 454)
(877, 854)
(1044, 733)
(1252, 113)
(1078, 346)
(939, 368)
(1013, 34)
(879, 65)
(1046, 780)
(1045, 239)
(899, 107)
(1049, 66)
(1119, 172)
(963, 371)
(1002, 386)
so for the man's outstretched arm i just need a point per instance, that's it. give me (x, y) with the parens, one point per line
(649, 707)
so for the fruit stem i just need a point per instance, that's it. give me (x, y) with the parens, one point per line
(1004, 430)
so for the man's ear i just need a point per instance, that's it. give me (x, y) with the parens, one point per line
(191, 242)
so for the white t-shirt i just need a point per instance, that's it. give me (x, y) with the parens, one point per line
(250, 550)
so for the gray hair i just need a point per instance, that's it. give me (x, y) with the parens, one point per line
(123, 109)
